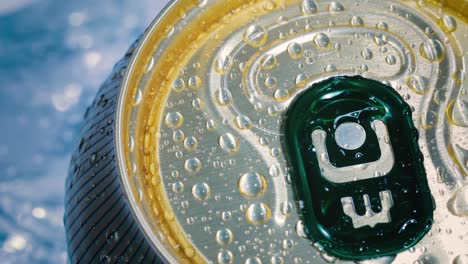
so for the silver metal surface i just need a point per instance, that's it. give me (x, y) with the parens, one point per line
(222, 121)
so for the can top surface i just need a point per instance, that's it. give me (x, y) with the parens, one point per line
(201, 128)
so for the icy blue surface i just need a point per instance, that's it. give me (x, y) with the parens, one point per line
(53, 56)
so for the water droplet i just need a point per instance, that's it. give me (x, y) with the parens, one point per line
(288, 244)
(138, 97)
(276, 260)
(178, 85)
(390, 59)
(281, 95)
(367, 54)
(286, 208)
(194, 82)
(321, 41)
(201, 191)
(242, 249)
(458, 203)
(300, 229)
(330, 68)
(356, 21)
(380, 39)
(429, 31)
(178, 187)
(258, 106)
(272, 111)
(388, 83)
(190, 143)
(295, 50)
(255, 35)
(456, 112)
(301, 80)
(223, 97)
(335, 7)
(308, 7)
(223, 64)
(174, 119)
(233, 75)
(179, 154)
(268, 62)
(270, 82)
(448, 23)
(243, 122)
(131, 144)
(382, 25)
(263, 141)
(189, 252)
(225, 257)
(432, 50)
(224, 237)
(226, 216)
(417, 84)
(150, 65)
(258, 213)
(269, 5)
(274, 152)
(253, 260)
(461, 259)
(252, 184)
(211, 125)
(193, 165)
(274, 171)
(364, 68)
(229, 142)
(198, 104)
(337, 46)
(428, 120)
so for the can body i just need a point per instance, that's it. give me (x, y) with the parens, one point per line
(235, 132)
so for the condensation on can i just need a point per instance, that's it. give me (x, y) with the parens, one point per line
(193, 169)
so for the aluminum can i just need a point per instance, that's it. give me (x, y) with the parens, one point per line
(279, 131)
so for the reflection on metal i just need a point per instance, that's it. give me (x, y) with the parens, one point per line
(363, 171)
(370, 218)
(350, 136)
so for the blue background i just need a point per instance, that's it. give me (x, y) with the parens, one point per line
(53, 56)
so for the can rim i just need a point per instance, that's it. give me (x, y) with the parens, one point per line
(120, 156)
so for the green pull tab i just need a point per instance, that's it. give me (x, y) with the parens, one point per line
(357, 168)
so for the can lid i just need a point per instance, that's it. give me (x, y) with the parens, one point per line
(202, 113)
